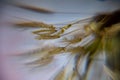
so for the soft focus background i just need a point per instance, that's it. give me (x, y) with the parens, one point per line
(16, 41)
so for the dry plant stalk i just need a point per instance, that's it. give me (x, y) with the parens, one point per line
(105, 29)
(34, 8)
